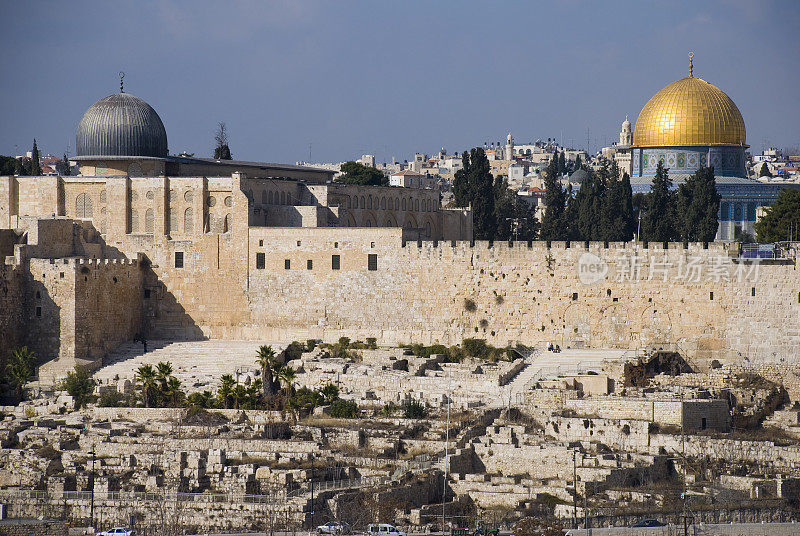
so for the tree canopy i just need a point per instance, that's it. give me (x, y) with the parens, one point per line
(554, 224)
(659, 210)
(697, 207)
(782, 219)
(356, 173)
(222, 151)
(36, 167)
(764, 171)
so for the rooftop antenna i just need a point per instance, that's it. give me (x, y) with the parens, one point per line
(691, 67)
(121, 76)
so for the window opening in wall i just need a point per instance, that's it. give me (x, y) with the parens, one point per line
(335, 262)
(39, 311)
(372, 244)
(309, 264)
(336, 244)
(287, 264)
(261, 261)
(608, 292)
(260, 243)
(753, 291)
(710, 295)
(179, 259)
(61, 276)
(147, 294)
(298, 243)
(574, 296)
(372, 262)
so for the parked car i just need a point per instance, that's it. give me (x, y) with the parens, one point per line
(117, 531)
(649, 523)
(383, 529)
(334, 527)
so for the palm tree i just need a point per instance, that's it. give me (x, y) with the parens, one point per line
(20, 369)
(225, 390)
(286, 375)
(266, 360)
(146, 378)
(254, 393)
(173, 391)
(239, 395)
(204, 399)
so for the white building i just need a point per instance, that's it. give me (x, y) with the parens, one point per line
(411, 179)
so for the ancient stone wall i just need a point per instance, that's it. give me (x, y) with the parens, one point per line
(11, 321)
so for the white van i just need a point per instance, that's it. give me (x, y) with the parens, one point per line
(383, 529)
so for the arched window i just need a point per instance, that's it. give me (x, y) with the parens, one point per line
(355, 202)
(397, 203)
(416, 205)
(173, 221)
(369, 202)
(148, 221)
(283, 198)
(737, 212)
(389, 203)
(383, 203)
(363, 202)
(367, 223)
(264, 198)
(349, 202)
(102, 197)
(428, 229)
(388, 223)
(404, 203)
(226, 225)
(134, 221)
(725, 211)
(271, 198)
(188, 221)
(83, 206)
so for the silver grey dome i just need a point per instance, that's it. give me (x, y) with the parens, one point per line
(121, 125)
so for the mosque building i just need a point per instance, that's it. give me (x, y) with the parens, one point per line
(688, 124)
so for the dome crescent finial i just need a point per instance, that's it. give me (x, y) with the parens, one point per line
(121, 76)
(691, 66)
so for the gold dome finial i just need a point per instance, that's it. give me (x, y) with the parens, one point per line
(691, 67)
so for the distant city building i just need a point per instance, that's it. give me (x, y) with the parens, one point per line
(411, 179)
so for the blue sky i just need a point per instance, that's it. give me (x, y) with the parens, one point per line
(388, 78)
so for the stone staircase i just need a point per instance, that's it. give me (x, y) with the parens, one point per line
(197, 364)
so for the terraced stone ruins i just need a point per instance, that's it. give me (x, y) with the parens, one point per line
(496, 436)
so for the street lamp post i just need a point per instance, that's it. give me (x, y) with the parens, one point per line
(91, 489)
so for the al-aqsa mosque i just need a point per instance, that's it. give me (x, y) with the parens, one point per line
(692, 123)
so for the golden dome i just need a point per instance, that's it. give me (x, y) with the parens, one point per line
(689, 111)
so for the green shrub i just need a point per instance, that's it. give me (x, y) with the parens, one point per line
(344, 409)
(372, 343)
(388, 409)
(414, 409)
(311, 344)
(111, 398)
(294, 351)
(475, 347)
(80, 386)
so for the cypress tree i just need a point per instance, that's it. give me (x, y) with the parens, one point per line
(627, 216)
(577, 162)
(36, 167)
(764, 172)
(697, 206)
(658, 220)
(562, 164)
(481, 185)
(461, 191)
(553, 222)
